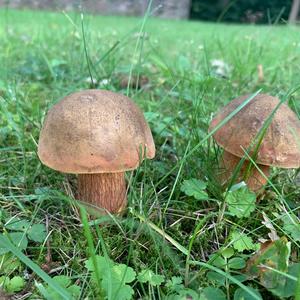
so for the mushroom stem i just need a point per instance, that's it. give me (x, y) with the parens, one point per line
(255, 180)
(104, 191)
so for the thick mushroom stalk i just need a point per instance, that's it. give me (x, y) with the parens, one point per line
(104, 191)
(255, 181)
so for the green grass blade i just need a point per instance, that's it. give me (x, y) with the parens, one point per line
(91, 248)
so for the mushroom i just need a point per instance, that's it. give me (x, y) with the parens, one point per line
(279, 146)
(98, 135)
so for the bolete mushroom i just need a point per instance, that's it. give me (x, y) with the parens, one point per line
(279, 146)
(98, 135)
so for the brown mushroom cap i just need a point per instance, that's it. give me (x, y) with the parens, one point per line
(95, 131)
(280, 146)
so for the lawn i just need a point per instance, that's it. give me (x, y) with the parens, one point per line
(179, 237)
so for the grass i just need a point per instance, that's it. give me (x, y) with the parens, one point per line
(43, 58)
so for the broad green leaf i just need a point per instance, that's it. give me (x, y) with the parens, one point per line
(19, 239)
(64, 282)
(114, 277)
(240, 277)
(9, 263)
(241, 294)
(37, 233)
(148, 276)
(15, 284)
(74, 290)
(291, 225)
(215, 277)
(289, 289)
(175, 281)
(241, 202)
(242, 241)
(175, 284)
(211, 293)
(194, 188)
(186, 293)
(217, 260)
(227, 253)
(122, 291)
(103, 264)
(3, 280)
(236, 263)
(17, 225)
(273, 255)
(123, 273)
(179, 292)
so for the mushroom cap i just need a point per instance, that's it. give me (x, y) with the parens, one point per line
(281, 143)
(95, 131)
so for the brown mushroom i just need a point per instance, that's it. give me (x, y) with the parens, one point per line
(98, 135)
(279, 146)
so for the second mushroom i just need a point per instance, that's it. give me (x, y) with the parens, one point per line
(279, 147)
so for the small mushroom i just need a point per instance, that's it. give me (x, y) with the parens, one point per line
(279, 147)
(98, 135)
